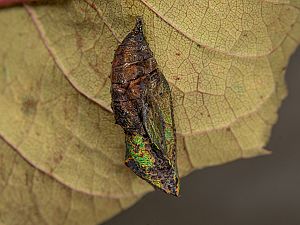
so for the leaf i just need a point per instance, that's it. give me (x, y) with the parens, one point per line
(54, 127)
(224, 61)
(32, 197)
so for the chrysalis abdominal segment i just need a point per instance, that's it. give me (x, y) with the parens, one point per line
(142, 105)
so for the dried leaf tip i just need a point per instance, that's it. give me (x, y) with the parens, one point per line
(138, 25)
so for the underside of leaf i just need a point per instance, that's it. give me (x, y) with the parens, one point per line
(225, 62)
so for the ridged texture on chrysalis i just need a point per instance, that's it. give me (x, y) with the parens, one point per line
(142, 104)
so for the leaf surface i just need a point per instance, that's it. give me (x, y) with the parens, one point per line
(225, 62)
(29, 196)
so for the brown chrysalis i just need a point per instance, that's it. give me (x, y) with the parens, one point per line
(142, 105)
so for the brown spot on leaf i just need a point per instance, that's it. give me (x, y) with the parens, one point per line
(176, 78)
(29, 106)
(177, 53)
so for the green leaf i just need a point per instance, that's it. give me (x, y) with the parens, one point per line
(224, 61)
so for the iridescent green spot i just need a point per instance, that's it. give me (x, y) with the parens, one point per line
(139, 153)
(138, 140)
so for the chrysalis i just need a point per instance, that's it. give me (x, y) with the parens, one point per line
(142, 105)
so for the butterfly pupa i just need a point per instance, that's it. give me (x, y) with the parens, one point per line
(142, 106)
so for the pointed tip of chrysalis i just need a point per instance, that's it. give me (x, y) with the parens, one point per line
(171, 191)
(138, 25)
(169, 183)
(173, 187)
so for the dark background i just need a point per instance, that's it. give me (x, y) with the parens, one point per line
(258, 191)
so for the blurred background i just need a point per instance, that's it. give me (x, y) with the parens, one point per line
(258, 191)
